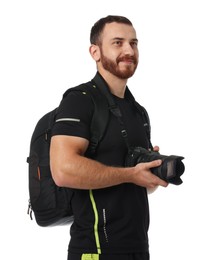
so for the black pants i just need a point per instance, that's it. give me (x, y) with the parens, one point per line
(137, 256)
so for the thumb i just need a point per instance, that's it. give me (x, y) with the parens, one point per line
(154, 163)
(157, 163)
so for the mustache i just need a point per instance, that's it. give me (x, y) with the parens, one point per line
(127, 58)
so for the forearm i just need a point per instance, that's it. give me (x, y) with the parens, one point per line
(84, 173)
(71, 169)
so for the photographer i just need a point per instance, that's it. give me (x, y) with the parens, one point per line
(110, 204)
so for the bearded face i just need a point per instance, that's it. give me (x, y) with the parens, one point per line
(123, 66)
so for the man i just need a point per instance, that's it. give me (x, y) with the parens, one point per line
(110, 202)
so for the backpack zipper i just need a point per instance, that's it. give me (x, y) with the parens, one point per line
(30, 210)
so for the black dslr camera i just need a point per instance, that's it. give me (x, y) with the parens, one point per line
(170, 170)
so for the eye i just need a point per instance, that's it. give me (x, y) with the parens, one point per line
(117, 43)
(134, 44)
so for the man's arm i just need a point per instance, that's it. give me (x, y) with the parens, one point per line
(71, 169)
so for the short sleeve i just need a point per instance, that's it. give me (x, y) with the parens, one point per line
(74, 115)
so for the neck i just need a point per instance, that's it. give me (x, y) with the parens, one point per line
(116, 85)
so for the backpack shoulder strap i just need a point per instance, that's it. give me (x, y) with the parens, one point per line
(142, 111)
(100, 115)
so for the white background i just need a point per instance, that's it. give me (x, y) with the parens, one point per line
(44, 50)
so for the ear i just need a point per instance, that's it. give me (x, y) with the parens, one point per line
(95, 52)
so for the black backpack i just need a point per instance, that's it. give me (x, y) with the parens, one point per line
(51, 204)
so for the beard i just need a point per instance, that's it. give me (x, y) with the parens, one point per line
(113, 66)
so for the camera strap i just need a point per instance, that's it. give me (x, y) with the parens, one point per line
(113, 107)
(115, 110)
(141, 112)
(117, 113)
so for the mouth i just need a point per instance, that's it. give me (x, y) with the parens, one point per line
(127, 60)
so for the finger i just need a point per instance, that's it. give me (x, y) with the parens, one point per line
(163, 183)
(154, 163)
(156, 148)
(158, 181)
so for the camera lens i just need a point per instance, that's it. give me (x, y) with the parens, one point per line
(170, 170)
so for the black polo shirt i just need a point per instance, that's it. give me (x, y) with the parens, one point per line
(115, 219)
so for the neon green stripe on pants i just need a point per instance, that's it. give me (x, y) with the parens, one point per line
(90, 257)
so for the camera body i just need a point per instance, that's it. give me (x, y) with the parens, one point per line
(170, 170)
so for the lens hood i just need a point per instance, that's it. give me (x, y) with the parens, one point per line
(170, 170)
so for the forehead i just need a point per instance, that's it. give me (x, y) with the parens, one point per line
(118, 30)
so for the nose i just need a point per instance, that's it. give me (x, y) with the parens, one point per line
(128, 49)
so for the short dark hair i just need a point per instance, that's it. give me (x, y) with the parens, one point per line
(98, 27)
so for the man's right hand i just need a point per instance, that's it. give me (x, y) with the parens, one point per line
(144, 177)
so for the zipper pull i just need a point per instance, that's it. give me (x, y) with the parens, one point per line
(30, 210)
(47, 135)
